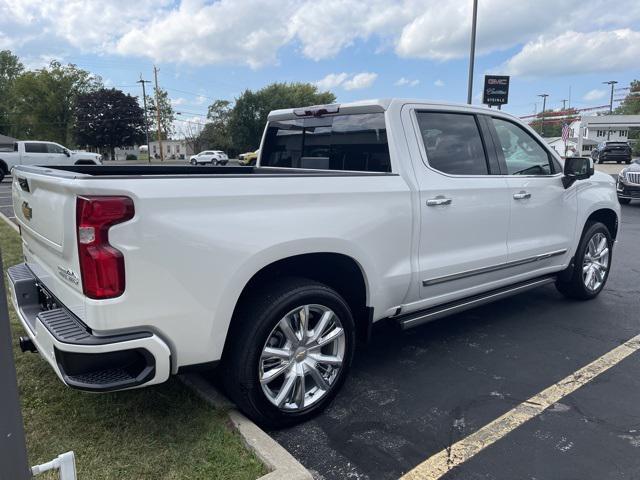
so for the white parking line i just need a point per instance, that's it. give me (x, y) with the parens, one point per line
(439, 464)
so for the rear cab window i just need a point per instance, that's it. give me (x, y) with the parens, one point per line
(453, 143)
(354, 142)
(35, 147)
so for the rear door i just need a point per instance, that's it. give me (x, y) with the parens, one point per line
(464, 208)
(543, 212)
(35, 153)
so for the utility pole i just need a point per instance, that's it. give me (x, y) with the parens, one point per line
(146, 120)
(612, 83)
(544, 107)
(155, 73)
(472, 54)
(564, 104)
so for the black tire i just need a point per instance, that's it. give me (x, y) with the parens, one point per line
(627, 161)
(253, 323)
(624, 201)
(573, 285)
(193, 161)
(2, 174)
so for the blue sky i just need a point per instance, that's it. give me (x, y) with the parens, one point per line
(358, 49)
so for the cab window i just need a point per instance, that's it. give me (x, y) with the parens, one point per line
(523, 155)
(453, 143)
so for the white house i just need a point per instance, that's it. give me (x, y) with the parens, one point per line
(591, 130)
(173, 150)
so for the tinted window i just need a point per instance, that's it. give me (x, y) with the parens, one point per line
(453, 143)
(342, 142)
(34, 147)
(53, 148)
(522, 153)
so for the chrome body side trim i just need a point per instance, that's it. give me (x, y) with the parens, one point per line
(492, 268)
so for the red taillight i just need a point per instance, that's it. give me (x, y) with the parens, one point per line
(101, 265)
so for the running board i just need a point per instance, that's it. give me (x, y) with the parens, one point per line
(414, 319)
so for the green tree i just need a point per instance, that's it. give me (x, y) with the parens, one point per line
(44, 101)
(108, 118)
(249, 115)
(553, 124)
(215, 134)
(631, 106)
(167, 115)
(10, 69)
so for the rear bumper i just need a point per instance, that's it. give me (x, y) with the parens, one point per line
(81, 359)
(615, 157)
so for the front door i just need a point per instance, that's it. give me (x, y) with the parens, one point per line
(543, 212)
(464, 208)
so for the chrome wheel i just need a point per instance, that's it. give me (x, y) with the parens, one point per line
(302, 357)
(596, 262)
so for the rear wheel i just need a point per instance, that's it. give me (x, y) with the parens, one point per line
(591, 265)
(290, 349)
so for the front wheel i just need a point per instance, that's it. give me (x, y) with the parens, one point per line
(624, 201)
(591, 265)
(290, 348)
(193, 161)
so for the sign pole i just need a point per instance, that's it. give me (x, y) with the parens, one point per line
(13, 450)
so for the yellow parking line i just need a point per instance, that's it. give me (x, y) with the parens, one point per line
(443, 461)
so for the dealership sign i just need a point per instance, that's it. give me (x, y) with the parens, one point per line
(496, 90)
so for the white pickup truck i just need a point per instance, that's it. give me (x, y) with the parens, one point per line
(35, 152)
(392, 209)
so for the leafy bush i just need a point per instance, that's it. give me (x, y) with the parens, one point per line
(131, 157)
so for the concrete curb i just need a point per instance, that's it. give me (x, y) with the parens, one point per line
(9, 222)
(282, 465)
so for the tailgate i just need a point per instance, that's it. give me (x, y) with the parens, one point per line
(44, 206)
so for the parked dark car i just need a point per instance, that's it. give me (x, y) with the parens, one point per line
(612, 152)
(628, 186)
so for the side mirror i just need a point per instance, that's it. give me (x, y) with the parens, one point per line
(577, 168)
(67, 152)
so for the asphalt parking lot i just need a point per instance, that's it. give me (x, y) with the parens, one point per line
(412, 394)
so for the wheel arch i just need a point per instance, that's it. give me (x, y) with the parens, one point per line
(85, 162)
(608, 217)
(339, 271)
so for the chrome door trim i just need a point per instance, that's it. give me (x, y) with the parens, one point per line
(492, 268)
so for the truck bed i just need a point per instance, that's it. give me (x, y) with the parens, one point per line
(145, 171)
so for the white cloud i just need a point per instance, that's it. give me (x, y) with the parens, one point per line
(439, 83)
(594, 94)
(407, 82)
(178, 101)
(331, 81)
(361, 80)
(252, 32)
(574, 53)
(347, 81)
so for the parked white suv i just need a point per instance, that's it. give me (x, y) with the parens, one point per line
(392, 209)
(36, 152)
(214, 157)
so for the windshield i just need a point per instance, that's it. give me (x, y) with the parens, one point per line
(355, 142)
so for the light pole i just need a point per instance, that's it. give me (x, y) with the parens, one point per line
(146, 121)
(612, 83)
(472, 54)
(544, 107)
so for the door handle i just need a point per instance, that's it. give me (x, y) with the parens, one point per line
(522, 195)
(439, 200)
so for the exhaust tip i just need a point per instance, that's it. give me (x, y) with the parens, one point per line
(27, 345)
